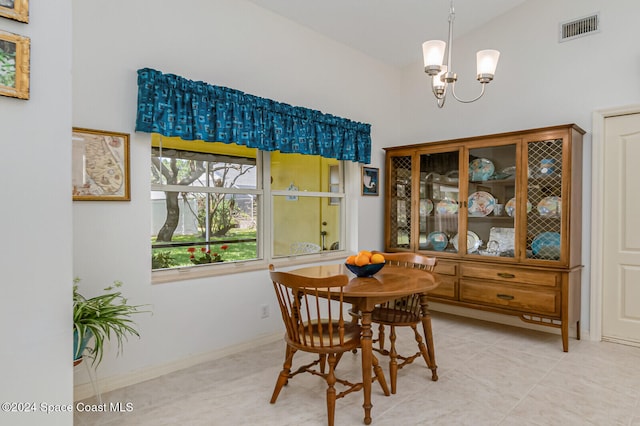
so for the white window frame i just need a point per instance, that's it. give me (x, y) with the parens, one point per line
(349, 184)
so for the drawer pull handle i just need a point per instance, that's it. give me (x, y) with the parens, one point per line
(505, 296)
(505, 275)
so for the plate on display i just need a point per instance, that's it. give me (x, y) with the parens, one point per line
(550, 207)
(546, 245)
(426, 207)
(511, 170)
(481, 203)
(510, 207)
(473, 241)
(437, 240)
(481, 169)
(447, 206)
(504, 237)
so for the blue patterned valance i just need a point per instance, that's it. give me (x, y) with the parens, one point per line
(194, 110)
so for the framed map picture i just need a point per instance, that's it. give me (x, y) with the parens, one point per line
(100, 165)
(15, 9)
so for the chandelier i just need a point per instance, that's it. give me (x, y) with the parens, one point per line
(441, 72)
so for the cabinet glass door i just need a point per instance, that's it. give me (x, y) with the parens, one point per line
(544, 192)
(400, 202)
(439, 189)
(491, 202)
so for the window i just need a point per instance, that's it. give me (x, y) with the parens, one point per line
(216, 203)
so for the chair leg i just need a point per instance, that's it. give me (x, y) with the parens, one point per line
(428, 334)
(323, 362)
(393, 360)
(379, 375)
(331, 390)
(421, 346)
(283, 377)
(381, 337)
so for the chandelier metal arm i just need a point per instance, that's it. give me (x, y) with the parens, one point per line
(453, 92)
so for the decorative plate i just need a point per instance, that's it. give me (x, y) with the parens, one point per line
(504, 237)
(426, 207)
(437, 240)
(447, 206)
(473, 241)
(550, 207)
(481, 203)
(481, 169)
(546, 245)
(510, 207)
(511, 170)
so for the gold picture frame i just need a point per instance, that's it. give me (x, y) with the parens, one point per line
(370, 180)
(100, 165)
(14, 76)
(17, 10)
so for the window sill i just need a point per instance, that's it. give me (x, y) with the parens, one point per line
(227, 268)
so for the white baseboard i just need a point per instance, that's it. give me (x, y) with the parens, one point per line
(107, 384)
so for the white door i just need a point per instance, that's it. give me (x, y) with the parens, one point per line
(621, 242)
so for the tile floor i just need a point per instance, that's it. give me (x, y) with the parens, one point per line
(489, 374)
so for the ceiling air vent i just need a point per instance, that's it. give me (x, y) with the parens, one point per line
(580, 27)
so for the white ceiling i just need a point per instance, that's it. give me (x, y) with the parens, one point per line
(389, 30)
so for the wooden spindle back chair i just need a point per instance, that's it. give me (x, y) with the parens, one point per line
(315, 323)
(405, 312)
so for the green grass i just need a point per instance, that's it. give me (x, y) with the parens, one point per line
(236, 251)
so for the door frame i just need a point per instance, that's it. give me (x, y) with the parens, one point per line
(597, 213)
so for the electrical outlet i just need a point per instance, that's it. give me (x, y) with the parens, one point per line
(264, 311)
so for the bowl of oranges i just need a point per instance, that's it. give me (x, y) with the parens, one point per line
(365, 263)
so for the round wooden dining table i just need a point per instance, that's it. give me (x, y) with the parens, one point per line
(364, 293)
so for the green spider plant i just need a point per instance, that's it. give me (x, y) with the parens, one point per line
(104, 318)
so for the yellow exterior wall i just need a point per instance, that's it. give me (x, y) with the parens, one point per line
(307, 173)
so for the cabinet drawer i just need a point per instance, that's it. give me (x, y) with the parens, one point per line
(521, 298)
(443, 268)
(447, 287)
(510, 274)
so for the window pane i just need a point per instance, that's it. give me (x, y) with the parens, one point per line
(304, 172)
(196, 225)
(177, 167)
(181, 223)
(304, 225)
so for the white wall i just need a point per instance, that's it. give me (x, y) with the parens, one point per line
(539, 82)
(229, 43)
(35, 159)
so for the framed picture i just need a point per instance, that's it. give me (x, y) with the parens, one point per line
(100, 165)
(370, 180)
(14, 65)
(15, 9)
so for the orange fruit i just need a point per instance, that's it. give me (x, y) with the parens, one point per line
(377, 258)
(365, 252)
(351, 260)
(362, 259)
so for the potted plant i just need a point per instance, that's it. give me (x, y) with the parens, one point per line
(103, 318)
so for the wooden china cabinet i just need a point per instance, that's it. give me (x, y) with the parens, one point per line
(517, 198)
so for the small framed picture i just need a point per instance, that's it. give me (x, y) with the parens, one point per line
(100, 165)
(15, 9)
(14, 65)
(370, 180)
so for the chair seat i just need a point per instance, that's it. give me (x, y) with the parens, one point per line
(390, 316)
(332, 343)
